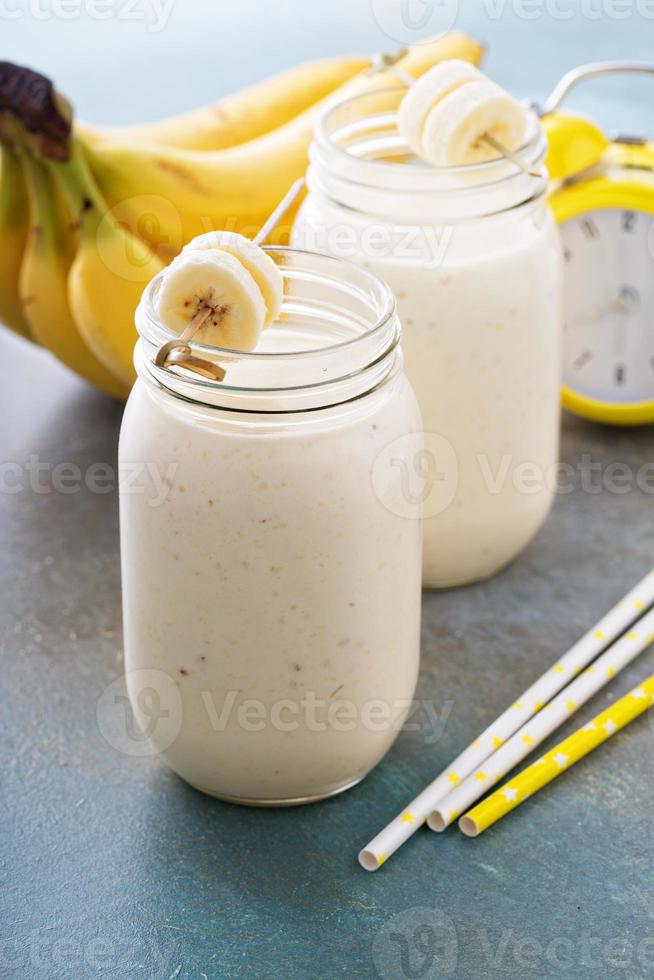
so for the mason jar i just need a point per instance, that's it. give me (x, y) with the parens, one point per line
(473, 256)
(271, 554)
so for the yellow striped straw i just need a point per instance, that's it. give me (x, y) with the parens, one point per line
(470, 763)
(558, 760)
(541, 725)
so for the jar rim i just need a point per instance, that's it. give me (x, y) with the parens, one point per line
(323, 295)
(145, 313)
(359, 161)
(534, 139)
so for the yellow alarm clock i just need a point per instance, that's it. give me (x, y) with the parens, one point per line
(602, 195)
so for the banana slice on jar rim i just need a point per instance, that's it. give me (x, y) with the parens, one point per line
(257, 262)
(465, 106)
(454, 129)
(215, 285)
(426, 92)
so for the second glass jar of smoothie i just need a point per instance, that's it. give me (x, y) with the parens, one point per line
(271, 573)
(473, 256)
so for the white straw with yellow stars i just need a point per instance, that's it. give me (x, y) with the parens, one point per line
(544, 723)
(558, 760)
(532, 700)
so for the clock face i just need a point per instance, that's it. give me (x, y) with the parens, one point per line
(608, 347)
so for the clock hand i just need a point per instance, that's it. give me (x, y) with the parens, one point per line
(625, 301)
(593, 317)
(623, 305)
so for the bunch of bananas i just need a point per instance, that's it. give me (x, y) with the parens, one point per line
(88, 215)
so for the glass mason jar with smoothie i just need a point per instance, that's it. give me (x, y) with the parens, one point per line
(473, 256)
(277, 583)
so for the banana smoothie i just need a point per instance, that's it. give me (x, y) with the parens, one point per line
(482, 349)
(472, 254)
(277, 585)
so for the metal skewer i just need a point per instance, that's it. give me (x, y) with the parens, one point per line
(510, 155)
(289, 198)
(178, 352)
(387, 62)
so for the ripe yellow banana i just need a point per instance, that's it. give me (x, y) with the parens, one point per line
(13, 236)
(244, 115)
(235, 188)
(109, 271)
(49, 254)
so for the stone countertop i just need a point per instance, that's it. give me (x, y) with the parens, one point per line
(113, 867)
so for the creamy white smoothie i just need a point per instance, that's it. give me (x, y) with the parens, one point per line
(278, 582)
(473, 256)
(482, 350)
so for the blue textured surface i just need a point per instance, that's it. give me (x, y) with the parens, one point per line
(111, 866)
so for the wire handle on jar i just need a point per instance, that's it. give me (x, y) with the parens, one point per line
(177, 353)
(595, 69)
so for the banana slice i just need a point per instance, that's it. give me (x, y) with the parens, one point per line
(260, 266)
(453, 130)
(426, 92)
(213, 280)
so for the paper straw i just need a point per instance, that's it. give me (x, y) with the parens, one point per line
(578, 656)
(289, 198)
(558, 760)
(544, 723)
